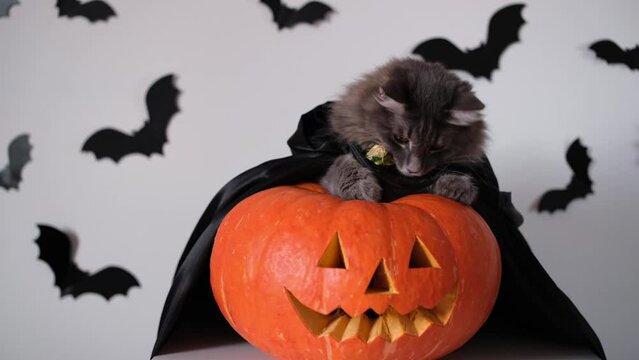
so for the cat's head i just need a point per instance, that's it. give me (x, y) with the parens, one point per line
(424, 115)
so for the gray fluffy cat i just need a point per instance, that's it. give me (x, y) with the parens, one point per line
(423, 115)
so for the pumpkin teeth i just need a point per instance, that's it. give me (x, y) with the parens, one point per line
(368, 326)
(359, 326)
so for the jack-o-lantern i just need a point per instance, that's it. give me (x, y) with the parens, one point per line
(302, 274)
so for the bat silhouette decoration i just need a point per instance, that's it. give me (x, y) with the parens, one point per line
(56, 250)
(286, 17)
(611, 52)
(481, 61)
(19, 156)
(5, 6)
(94, 10)
(161, 103)
(580, 184)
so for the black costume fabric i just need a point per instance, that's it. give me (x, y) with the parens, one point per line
(529, 302)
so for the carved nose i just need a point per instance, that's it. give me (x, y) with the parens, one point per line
(381, 282)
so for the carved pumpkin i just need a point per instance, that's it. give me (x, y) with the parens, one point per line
(302, 274)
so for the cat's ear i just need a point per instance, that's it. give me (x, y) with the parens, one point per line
(465, 109)
(389, 103)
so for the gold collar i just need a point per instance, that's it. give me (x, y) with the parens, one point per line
(379, 156)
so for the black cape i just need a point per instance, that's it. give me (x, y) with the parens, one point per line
(529, 302)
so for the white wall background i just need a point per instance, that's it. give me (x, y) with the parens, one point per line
(244, 86)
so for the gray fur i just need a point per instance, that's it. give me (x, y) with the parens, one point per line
(457, 187)
(347, 179)
(424, 115)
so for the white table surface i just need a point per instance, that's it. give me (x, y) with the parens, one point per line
(484, 347)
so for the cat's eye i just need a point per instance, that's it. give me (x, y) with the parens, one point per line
(400, 139)
(438, 145)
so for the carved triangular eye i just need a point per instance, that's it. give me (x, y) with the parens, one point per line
(333, 256)
(421, 257)
(381, 282)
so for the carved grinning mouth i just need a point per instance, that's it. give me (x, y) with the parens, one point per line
(390, 325)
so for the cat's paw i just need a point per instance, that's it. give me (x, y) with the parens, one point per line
(456, 187)
(349, 180)
(367, 188)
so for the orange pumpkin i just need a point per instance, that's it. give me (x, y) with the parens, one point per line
(302, 274)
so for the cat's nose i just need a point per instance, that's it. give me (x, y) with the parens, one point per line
(414, 170)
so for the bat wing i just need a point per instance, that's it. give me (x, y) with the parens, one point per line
(633, 58)
(96, 10)
(161, 102)
(19, 156)
(611, 52)
(578, 159)
(580, 184)
(560, 199)
(55, 251)
(445, 52)
(310, 13)
(5, 6)
(67, 7)
(274, 6)
(554, 200)
(579, 188)
(7, 180)
(93, 10)
(503, 31)
(106, 282)
(110, 143)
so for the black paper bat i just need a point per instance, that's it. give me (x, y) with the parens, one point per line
(92, 10)
(19, 156)
(56, 251)
(613, 54)
(503, 31)
(5, 6)
(580, 184)
(286, 17)
(161, 103)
